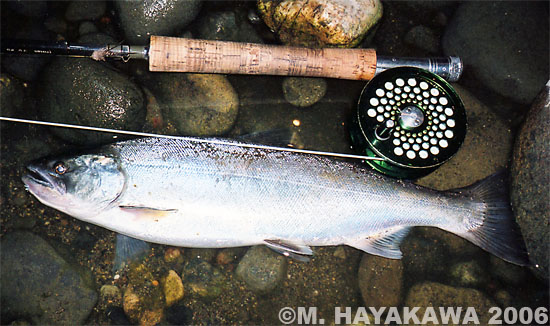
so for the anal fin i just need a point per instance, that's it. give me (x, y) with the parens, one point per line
(127, 250)
(385, 243)
(299, 252)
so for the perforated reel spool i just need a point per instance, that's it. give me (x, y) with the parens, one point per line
(411, 118)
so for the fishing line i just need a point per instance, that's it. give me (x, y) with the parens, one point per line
(191, 139)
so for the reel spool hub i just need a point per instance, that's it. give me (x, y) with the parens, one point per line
(411, 118)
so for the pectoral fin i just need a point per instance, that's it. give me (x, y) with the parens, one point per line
(385, 243)
(299, 252)
(148, 212)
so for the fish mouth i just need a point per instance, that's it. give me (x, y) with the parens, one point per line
(38, 179)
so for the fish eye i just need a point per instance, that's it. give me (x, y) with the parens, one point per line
(60, 168)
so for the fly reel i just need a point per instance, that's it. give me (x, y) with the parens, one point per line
(411, 118)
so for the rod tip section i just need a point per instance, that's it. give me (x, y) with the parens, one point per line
(455, 69)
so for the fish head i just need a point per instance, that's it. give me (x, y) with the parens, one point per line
(81, 186)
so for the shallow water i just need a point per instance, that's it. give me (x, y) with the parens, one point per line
(213, 293)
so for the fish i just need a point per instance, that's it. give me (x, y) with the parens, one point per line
(204, 193)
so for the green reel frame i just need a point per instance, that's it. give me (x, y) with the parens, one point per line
(411, 118)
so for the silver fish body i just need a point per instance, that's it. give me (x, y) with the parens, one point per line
(197, 194)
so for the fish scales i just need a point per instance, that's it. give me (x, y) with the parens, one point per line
(270, 195)
(191, 193)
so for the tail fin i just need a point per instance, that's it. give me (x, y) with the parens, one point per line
(497, 231)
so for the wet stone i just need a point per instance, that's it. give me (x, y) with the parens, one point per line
(430, 294)
(507, 272)
(56, 25)
(423, 38)
(196, 104)
(468, 274)
(95, 37)
(224, 26)
(38, 285)
(141, 19)
(173, 288)
(531, 183)
(229, 255)
(324, 23)
(423, 256)
(206, 254)
(143, 300)
(304, 92)
(87, 27)
(85, 10)
(117, 316)
(11, 95)
(473, 36)
(179, 314)
(86, 92)
(262, 269)
(173, 255)
(110, 294)
(202, 279)
(37, 9)
(380, 281)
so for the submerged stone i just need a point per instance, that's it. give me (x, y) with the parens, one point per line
(196, 104)
(262, 269)
(504, 43)
(38, 285)
(302, 91)
(380, 281)
(435, 295)
(531, 183)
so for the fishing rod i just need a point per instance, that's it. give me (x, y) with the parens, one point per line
(191, 139)
(172, 54)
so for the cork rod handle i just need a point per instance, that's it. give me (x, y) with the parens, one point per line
(191, 55)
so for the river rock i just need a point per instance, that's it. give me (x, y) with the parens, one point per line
(302, 91)
(86, 92)
(37, 9)
(173, 288)
(430, 294)
(380, 281)
(11, 95)
(143, 300)
(468, 274)
(224, 26)
(39, 286)
(423, 38)
(262, 269)
(507, 272)
(143, 18)
(96, 38)
(507, 52)
(85, 10)
(202, 279)
(323, 23)
(87, 27)
(196, 104)
(110, 294)
(531, 182)
(424, 256)
(56, 24)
